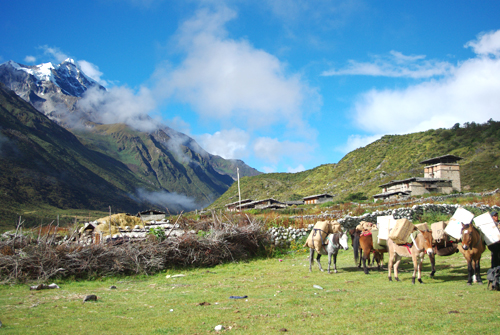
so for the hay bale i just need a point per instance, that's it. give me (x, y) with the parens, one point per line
(120, 220)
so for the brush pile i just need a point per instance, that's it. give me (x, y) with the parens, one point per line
(224, 242)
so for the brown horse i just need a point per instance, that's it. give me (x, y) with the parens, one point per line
(472, 248)
(421, 245)
(447, 248)
(362, 242)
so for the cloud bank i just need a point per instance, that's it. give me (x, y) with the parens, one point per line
(467, 91)
(170, 201)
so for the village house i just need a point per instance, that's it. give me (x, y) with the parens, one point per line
(232, 207)
(151, 215)
(269, 203)
(441, 175)
(317, 199)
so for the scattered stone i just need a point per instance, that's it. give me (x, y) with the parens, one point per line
(219, 328)
(44, 287)
(90, 297)
(175, 276)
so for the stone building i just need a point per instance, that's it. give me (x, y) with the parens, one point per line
(317, 199)
(441, 175)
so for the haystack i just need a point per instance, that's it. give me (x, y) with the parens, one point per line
(120, 220)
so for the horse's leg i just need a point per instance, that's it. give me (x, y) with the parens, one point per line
(311, 255)
(319, 264)
(396, 266)
(366, 254)
(361, 257)
(335, 262)
(432, 258)
(329, 260)
(420, 261)
(390, 263)
(469, 272)
(478, 272)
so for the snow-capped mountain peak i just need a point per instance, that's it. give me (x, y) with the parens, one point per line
(67, 76)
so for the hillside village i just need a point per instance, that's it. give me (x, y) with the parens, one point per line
(441, 176)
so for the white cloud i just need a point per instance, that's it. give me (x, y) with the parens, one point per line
(296, 169)
(394, 65)
(120, 105)
(56, 53)
(486, 43)
(229, 144)
(272, 150)
(357, 141)
(30, 59)
(230, 81)
(468, 93)
(170, 201)
(178, 124)
(92, 71)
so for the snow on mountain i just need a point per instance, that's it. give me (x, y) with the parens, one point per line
(67, 76)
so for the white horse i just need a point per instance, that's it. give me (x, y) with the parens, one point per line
(334, 243)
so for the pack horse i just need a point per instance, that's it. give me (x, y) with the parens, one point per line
(333, 244)
(421, 245)
(472, 248)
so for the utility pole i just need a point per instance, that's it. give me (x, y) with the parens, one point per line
(239, 192)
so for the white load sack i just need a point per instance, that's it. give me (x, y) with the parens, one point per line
(385, 225)
(488, 228)
(454, 226)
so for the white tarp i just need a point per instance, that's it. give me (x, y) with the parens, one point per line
(454, 227)
(488, 228)
(385, 225)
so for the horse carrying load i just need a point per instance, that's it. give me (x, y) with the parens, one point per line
(317, 237)
(326, 238)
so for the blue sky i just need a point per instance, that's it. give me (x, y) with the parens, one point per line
(284, 85)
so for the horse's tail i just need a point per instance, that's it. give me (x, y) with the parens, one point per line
(355, 246)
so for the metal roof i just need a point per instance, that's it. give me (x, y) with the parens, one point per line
(442, 159)
(425, 180)
(317, 196)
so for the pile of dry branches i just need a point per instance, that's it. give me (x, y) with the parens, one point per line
(41, 261)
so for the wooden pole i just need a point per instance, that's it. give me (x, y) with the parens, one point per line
(110, 223)
(239, 191)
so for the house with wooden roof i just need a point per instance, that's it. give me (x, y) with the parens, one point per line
(268, 203)
(232, 207)
(317, 199)
(151, 215)
(441, 175)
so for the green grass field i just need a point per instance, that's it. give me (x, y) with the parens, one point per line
(280, 296)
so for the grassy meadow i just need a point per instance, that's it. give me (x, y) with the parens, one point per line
(280, 296)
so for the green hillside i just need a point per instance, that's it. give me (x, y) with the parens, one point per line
(43, 165)
(148, 157)
(390, 158)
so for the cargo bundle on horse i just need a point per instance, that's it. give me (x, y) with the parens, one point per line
(421, 244)
(332, 247)
(442, 244)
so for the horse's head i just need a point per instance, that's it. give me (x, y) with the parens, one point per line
(343, 240)
(466, 236)
(427, 234)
